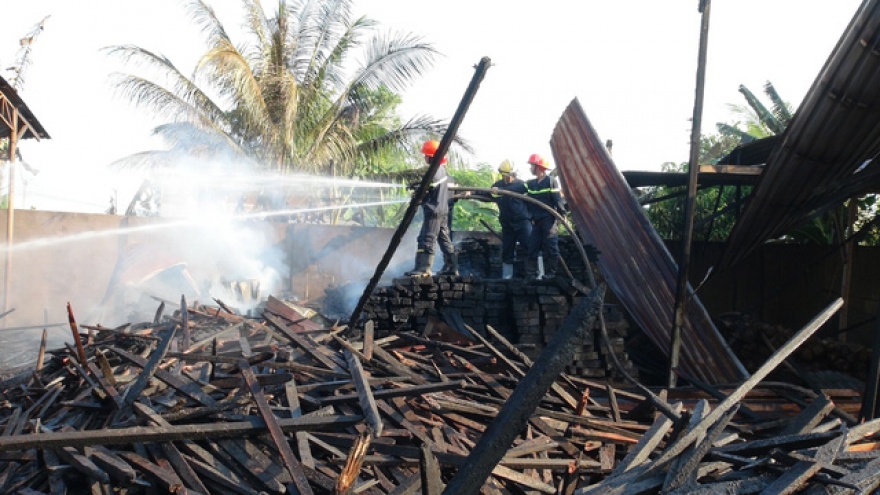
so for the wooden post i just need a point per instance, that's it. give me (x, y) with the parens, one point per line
(10, 213)
(681, 293)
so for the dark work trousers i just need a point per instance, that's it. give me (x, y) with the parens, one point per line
(514, 232)
(544, 240)
(435, 228)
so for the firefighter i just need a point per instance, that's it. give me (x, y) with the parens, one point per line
(516, 226)
(544, 240)
(435, 223)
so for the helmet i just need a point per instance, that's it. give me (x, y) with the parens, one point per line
(430, 147)
(536, 159)
(505, 167)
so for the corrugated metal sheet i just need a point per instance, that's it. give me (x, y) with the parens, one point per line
(818, 161)
(634, 262)
(32, 127)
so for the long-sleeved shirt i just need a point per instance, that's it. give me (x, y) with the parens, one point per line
(546, 191)
(512, 209)
(437, 199)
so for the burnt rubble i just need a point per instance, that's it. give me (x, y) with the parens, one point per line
(208, 401)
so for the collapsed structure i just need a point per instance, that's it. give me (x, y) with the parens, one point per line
(432, 398)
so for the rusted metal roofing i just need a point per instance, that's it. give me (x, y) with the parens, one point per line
(821, 157)
(14, 111)
(634, 262)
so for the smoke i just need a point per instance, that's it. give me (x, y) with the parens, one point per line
(221, 233)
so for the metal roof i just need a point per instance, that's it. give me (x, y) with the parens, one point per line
(634, 262)
(823, 156)
(11, 104)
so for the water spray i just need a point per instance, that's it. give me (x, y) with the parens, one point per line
(85, 236)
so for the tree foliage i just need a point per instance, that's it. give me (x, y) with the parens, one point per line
(309, 88)
(718, 207)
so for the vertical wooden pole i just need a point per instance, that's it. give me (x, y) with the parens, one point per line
(10, 213)
(849, 250)
(681, 294)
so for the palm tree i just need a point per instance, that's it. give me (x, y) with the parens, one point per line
(760, 122)
(289, 97)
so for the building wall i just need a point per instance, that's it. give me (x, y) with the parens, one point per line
(108, 266)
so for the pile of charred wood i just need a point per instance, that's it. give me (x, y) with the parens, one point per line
(207, 401)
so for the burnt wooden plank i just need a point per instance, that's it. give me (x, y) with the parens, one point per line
(118, 470)
(292, 464)
(867, 478)
(122, 436)
(368, 340)
(649, 441)
(82, 464)
(686, 471)
(410, 391)
(302, 441)
(523, 480)
(519, 408)
(227, 482)
(780, 355)
(430, 471)
(149, 368)
(255, 462)
(353, 462)
(810, 417)
(784, 442)
(166, 478)
(180, 383)
(565, 396)
(304, 343)
(364, 393)
(793, 478)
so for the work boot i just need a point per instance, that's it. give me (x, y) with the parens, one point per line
(550, 269)
(506, 271)
(424, 262)
(450, 265)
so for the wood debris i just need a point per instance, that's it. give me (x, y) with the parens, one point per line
(207, 401)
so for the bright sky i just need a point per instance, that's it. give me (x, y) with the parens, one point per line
(632, 65)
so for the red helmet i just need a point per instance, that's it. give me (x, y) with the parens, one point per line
(536, 159)
(430, 147)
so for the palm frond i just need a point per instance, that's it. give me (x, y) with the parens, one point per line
(146, 160)
(185, 97)
(767, 118)
(781, 109)
(394, 61)
(729, 130)
(205, 17)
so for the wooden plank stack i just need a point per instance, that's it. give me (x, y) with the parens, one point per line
(527, 313)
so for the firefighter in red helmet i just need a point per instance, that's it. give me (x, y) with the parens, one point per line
(435, 223)
(544, 240)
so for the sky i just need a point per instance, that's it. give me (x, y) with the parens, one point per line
(631, 64)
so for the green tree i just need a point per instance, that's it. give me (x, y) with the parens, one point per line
(290, 96)
(473, 214)
(717, 208)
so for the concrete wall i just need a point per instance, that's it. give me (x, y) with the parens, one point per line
(107, 266)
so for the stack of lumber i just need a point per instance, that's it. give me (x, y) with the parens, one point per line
(206, 401)
(528, 313)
